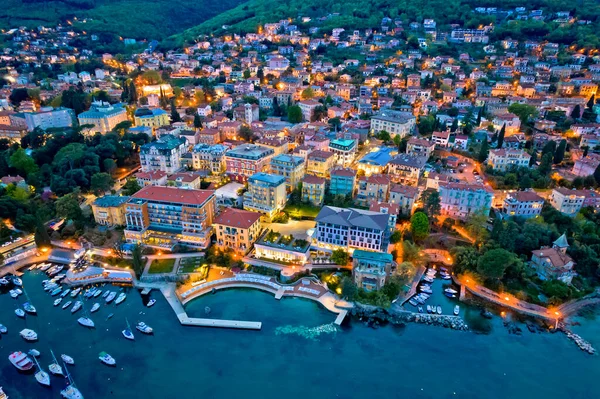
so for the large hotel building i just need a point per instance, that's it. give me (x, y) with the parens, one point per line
(165, 216)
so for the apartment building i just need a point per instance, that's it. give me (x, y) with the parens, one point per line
(343, 181)
(372, 188)
(245, 160)
(568, 201)
(308, 108)
(103, 117)
(459, 200)
(504, 159)
(237, 229)
(49, 117)
(393, 122)
(266, 194)
(420, 147)
(210, 158)
(163, 154)
(371, 269)
(350, 229)
(110, 210)
(344, 151)
(320, 163)
(166, 216)
(151, 117)
(405, 197)
(406, 169)
(290, 167)
(525, 204)
(313, 190)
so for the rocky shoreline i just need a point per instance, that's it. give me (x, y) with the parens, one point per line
(376, 315)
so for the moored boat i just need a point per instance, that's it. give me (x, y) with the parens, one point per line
(86, 322)
(143, 327)
(428, 308)
(456, 310)
(57, 301)
(77, 306)
(3, 329)
(66, 305)
(121, 298)
(34, 353)
(13, 294)
(20, 312)
(43, 377)
(451, 291)
(29, 308)
(65, 293)
(67, 359)
(107, 359)
(71, 392)
(17, 281)
(28, 334)
(110, 297)
(97, 293)
(75, 292)
(20, 361)
(56, 291)
(439, 310)
(151, 303)
(95, 307)
(105, 294)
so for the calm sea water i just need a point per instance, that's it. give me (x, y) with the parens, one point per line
(288, 358)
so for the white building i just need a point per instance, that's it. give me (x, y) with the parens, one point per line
(163, 154)
(49, 117)
(525, 204)
(503, 159)
(459, 200)
(393, 122)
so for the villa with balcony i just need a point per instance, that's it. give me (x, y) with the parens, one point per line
(283, 249)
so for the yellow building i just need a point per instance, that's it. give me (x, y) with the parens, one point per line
(110, 210)
(320, 163)
(237, 229)
(103, 117)
(151, 117)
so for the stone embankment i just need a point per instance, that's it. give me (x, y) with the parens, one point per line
(375, 314)
(581, 343)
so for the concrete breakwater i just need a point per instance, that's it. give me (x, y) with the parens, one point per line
(581, 343)
(401, 317)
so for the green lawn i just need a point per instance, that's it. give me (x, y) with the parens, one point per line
(302, 210)
(162, 266)
(113, 261)
(191, 265)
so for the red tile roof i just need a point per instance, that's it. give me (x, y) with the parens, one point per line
(237, 218)
(174, 195)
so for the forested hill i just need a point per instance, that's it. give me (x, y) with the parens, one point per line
(362, 14)
(148, 19)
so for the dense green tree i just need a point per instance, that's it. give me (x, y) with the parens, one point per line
(494, 263)
(597, 174)
(197, 121)
(576, 113)
(23, 163)
(483, 151)
(138, 261)
(319, 113)
(395, 237)
(431, 202)
(246, 133)
(294, 114)
(524, 111)
(419, 226)
(545, 166)
(384, 136)
(175, 117)
(41, 236)
(67, 207)
(500, 141)
(131, 187)
(101, 183)
(559, 155)
(340, 257)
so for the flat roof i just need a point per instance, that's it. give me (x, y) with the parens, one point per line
(174, 195)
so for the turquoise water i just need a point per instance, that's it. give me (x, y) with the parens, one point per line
(416, 361)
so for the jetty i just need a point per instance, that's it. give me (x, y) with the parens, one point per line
(340, 317)
(185, 320)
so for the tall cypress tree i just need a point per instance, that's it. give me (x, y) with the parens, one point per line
(559, 155)
(133, 97)
(591, 102)
(501, 136)
(175, 117)
(125, 93)
(197, 121)
(483, 151)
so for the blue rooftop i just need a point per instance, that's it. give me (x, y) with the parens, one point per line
(283, 158)
(380, 157)
(342, 143)
(376, 256)
(273, 180)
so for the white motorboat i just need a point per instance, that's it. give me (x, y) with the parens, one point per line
(428, 308)
(121, 298)
(56, 291)
(20, 361)
(97, 293)
(107, 359)
(95, 307)
(77, 306)
(13, 294)
(3, 329)
(28, 335)
(75, 292)
(20, 312)
(86, 322)
(105, 294)
(456, 310)
(57, 301)
(65, 293)
(46, 266)
(67, 359)
(89, 293)
(17, 281)
(29, 308)
(34, 353)
(413, 302)
(439, 310)
(451, 291)
(428, 279)
(66, 305)
(151, 303)
(71, 392)
(110, 297)
(3, 281)
(143, 327)
(128, 334)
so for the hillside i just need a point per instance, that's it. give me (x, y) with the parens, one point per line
(152, 19)
(362, 14)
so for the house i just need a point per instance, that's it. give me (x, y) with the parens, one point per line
(308, 108)
(393, 122)
(372, 188)
(237, 229)
(266, 194)
(461, 142)
(109, 210)
(343, 181)
(554, 263)
(320, 163)
(209, 136)
(504, 159)
(210, 158)
(152, 178)
(586, 166)
(185, 180)
(245, 160)
(281, 249)
(404, 197)
(525, 204)
(441, 139)
(406, 169)
(570, 202)
(350, 229)
(313, 190)
(191, 214)
(371, 269)
(459, 200)
(388, 208)
(420, 147)
(511, 122)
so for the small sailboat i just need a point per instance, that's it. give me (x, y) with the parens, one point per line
(67, 359)
(127, 333)
(95, 307)
(456, 310)
(110, 297)
(86, 322)
(121, 298)
(66, 305)
(77, 306)
(105, 294)
(3, 329)
(55, 368)
(29, 308)
(143, 327)
(97, 293)
(451, 291)
(150, 303)
(28, 334)
(17, 281)
(65, 293)
(439, 310)
(57, 301)
(20, 312)
(75, 292)
(71, 391)
(107, 359)
(110, 316)
(41, 376)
